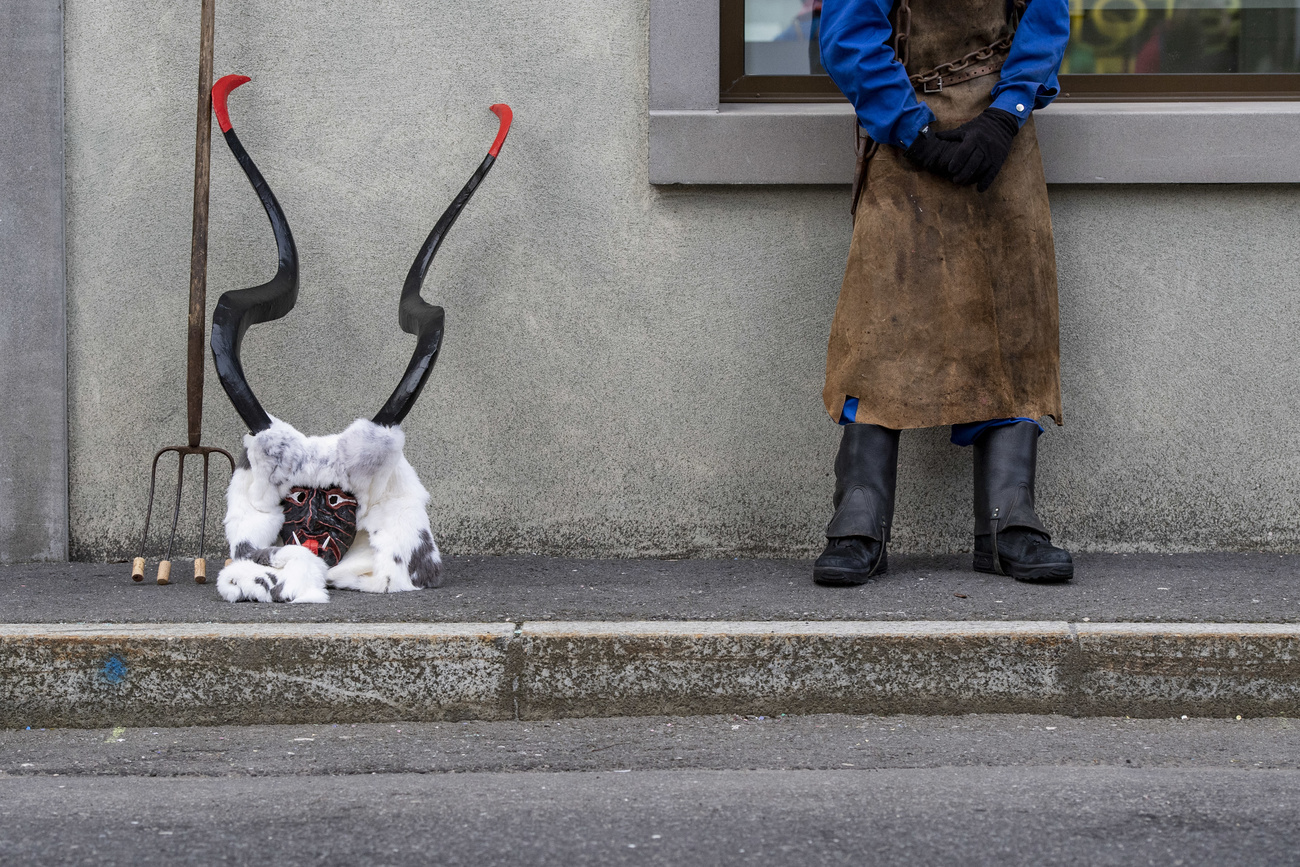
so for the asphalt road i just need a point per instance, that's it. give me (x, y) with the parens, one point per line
(1108, 587)
(713, 790)
(816, 742)
(993, 816)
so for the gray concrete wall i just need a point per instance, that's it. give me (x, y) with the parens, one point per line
(629, 370)
(33, 371)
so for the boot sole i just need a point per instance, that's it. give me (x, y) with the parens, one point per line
(828, 577)
(1054, 573)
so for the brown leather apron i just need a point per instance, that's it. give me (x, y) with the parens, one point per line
(948, 309)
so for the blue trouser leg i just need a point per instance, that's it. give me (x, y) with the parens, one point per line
(966, 434)
(849, 413)
(962, 434)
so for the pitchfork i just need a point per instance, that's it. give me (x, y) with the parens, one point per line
(197, 329)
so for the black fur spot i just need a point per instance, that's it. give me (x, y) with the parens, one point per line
(425, 571)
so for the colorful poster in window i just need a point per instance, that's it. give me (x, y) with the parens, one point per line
(1182, 36)
(1106, 37)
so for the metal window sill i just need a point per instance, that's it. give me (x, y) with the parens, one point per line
(1082, 143)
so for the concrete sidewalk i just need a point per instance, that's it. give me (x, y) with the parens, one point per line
(535, 638)
(1185, 588)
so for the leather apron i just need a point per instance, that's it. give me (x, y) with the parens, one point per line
(948, 310)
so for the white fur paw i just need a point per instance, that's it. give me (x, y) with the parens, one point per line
(414, 563)
(290, 578)
(394, 575)
(296, 556)
(368, 570)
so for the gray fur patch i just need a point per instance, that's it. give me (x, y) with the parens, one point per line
(262, 556)
(244, 551)
(265, 581)
(284, 456)
(277, 593)
(424, 569)
(244, 463)
(360, 452)
(365, 449)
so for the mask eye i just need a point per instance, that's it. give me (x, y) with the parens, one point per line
(297, 497)
(336, 500)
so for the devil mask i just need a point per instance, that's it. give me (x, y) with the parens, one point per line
(322, 520)
(343, 510)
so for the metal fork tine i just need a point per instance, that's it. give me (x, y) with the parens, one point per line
(165, 565)
(200, 562)
(137, 566)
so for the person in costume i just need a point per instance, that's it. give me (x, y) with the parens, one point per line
(347, 510)
(948, 310)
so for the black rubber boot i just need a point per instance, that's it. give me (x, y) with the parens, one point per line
(866, 470)
(1009, 538)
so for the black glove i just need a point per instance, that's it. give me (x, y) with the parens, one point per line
(931, 154)
(982, 144)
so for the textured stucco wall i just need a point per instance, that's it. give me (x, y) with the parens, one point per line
(33, 370)
(628, 370)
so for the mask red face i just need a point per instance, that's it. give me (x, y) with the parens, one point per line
(322, 520)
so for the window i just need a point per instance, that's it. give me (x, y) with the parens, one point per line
(769, 52)
(1119, 49)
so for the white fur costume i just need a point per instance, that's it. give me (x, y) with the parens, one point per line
(394, 548)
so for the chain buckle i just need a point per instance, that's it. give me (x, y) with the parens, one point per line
(936, 88)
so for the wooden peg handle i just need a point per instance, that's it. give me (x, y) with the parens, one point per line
(137, 569)
(200, 571)
(164, 571)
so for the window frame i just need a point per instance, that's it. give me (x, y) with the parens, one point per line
(735, 86)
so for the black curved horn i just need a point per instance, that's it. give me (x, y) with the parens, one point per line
(240, 308)
(417, 316)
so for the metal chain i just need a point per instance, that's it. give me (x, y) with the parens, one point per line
(903, 33)
(866, 146)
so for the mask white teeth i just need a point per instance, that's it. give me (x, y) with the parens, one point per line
(295, 538)
(326, 543)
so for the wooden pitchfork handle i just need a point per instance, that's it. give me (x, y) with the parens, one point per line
(197, 323)
(199, 239)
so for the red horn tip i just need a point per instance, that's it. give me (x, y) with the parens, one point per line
(502, 111)
(220, 91)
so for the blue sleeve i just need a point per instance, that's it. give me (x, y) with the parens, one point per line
(855, 49)
(1029, 75)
